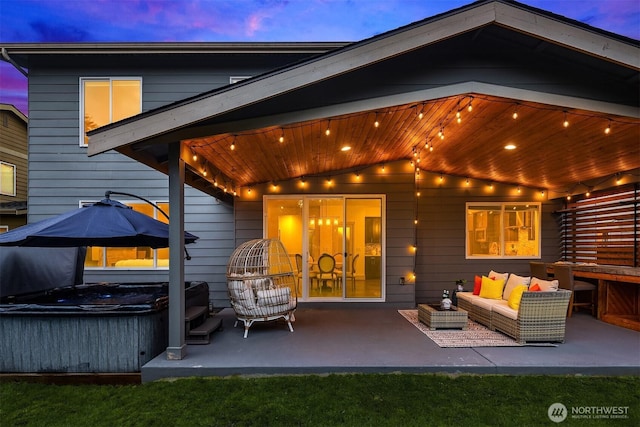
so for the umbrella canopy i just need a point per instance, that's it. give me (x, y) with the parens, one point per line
(105, 223)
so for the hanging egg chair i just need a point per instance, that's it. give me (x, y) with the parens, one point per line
(261, 283)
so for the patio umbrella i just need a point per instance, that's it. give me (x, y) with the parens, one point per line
(105, 223)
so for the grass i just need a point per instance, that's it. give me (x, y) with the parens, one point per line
(333, 400)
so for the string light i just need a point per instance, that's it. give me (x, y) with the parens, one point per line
(233, 143)
(467, 182)
(568, 196)
(421, 113)
(459, 117)
(194, 155)
(470, 107)
(328, 131)
(376, 123)
(607, 130)
(566, 121)
(515, 113)
(281, 137)
(618, 178)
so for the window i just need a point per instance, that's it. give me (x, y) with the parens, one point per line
(107, 100)
(130, 258)
(503, 230)
(4, 228)
(7, 179)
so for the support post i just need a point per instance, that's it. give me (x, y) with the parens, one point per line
(177, 347)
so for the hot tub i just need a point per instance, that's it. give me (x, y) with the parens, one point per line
(101, 327)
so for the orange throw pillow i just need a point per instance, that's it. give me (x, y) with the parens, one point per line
(535, 288)
(477, 284)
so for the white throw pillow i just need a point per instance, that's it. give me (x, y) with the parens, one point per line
(495, 275)
(514, 280)
(545, 285)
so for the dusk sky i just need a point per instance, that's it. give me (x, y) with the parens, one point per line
(74, 21)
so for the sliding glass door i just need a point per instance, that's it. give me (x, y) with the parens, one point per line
(336, 243)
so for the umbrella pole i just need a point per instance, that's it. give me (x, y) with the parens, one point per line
(108, 193)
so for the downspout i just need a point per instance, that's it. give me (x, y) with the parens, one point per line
(6, 57)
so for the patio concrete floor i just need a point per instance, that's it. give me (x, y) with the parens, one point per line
(379, 340)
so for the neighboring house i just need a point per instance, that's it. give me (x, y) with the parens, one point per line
(267, 156)
(13, 167)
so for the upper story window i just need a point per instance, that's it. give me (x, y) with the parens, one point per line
(107, 100)
(503, 230)
(131, 258)
(7, 179)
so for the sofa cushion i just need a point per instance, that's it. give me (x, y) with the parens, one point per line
(467, 296)
(506, 311)
(491, 288)
(535, 288)
(545, 285)
(513, 281)
(485, 303)
(477, 284)
(516, 296)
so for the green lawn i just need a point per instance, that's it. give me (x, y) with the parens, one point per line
(334, 400)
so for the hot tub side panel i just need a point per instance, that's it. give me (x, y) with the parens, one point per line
(81, 344)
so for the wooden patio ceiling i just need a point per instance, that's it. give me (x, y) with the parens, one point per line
(547, 154)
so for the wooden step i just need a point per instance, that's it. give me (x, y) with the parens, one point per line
(194, 311)
(201, 334)
(209, 325)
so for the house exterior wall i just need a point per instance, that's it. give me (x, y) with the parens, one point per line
(442, 233)
(61, 174)
(396, 182)
(13, 150)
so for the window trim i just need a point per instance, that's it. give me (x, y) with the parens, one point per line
(501, 243)
(15, 170)
(104, 267)
(82, 132)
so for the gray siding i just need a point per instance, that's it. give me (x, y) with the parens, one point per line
(61, 174)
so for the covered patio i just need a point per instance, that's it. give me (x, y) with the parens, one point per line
(446, 96)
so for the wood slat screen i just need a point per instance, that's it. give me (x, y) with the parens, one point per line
(603, 228)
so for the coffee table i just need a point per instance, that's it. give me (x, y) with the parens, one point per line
(436, 318)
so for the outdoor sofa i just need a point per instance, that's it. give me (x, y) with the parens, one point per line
(527, 309)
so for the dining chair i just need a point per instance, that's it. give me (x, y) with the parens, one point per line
(538, 269)
(564, 275)
(326, 271)
(351, 274)
(311, 274)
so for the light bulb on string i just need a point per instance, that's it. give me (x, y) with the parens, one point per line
(470, 107)
(233, 144)
(607, 130)
(281, 140)
(376, 123)
(515, 113)
(566, 121)
(194, 155)
(328, 131)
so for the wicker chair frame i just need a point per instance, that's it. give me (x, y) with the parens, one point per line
(261, 283)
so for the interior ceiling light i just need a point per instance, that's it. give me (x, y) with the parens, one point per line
(510, 147)
(346, 148)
